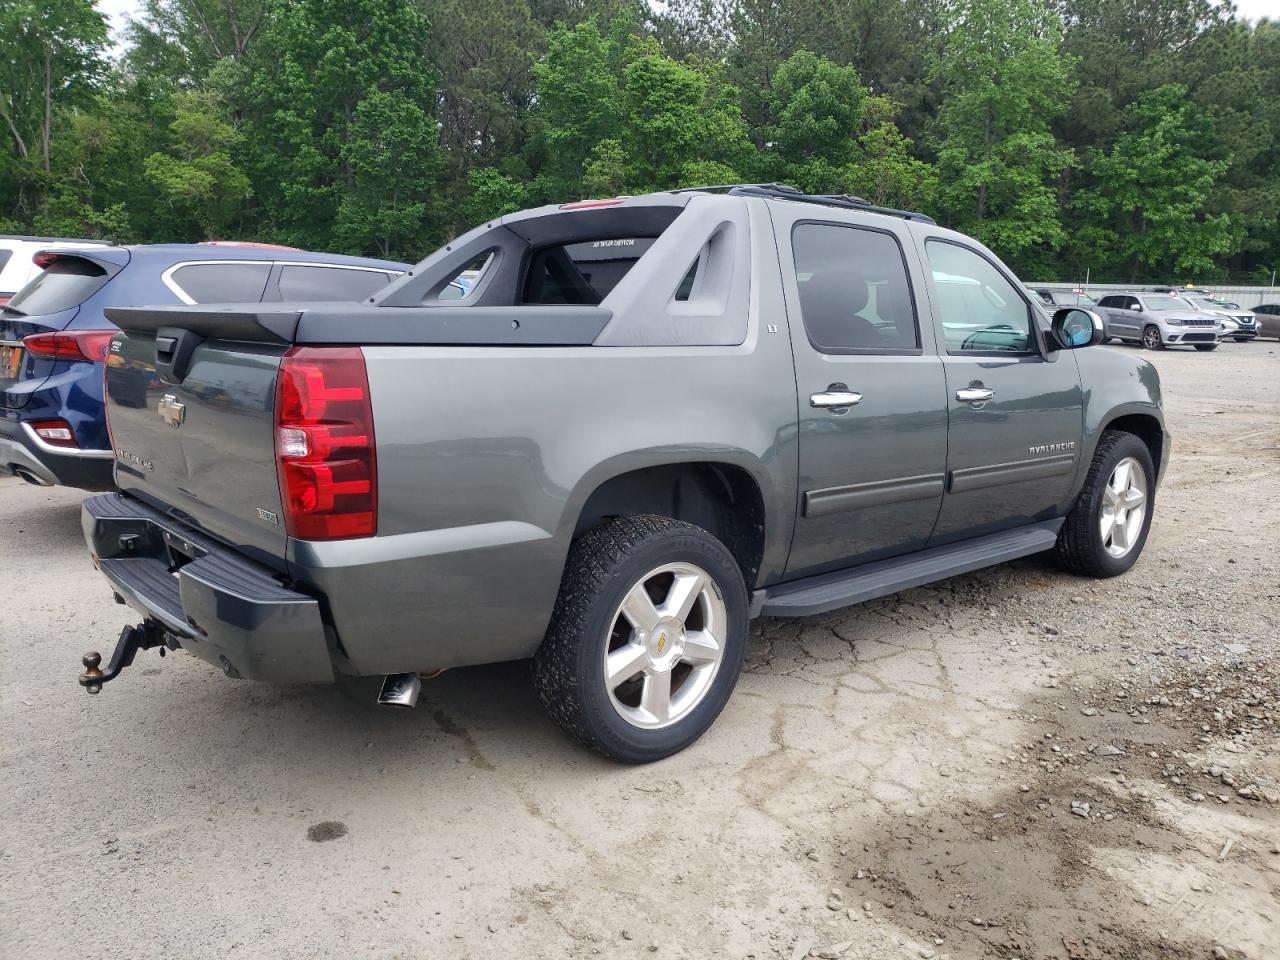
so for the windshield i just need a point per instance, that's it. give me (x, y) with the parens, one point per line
(65, 283)
(1165, 304)
(1200, 303)
(1074, 299)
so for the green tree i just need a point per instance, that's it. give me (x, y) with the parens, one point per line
(53, 58)
(1148, 195)
(1002, 84)
(885, 172)
(579, 101)
(197, 178)
(341, 109)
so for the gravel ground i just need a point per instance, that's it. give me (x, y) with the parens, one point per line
(1014, 763)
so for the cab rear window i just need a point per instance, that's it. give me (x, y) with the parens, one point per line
(65, 283)
(581, 273)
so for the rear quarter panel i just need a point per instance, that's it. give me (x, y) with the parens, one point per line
(486, 456)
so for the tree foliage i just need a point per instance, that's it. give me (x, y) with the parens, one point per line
(1135, 139)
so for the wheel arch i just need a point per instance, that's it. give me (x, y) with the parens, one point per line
(722, 496)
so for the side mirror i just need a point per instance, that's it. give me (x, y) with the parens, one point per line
(1136, 307)
(1073, 327)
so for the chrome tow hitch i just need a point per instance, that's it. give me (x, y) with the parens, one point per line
(132, 639)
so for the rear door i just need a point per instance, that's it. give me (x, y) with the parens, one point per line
(872, 404)
(1015, 412)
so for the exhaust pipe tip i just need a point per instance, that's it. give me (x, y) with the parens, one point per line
(31, 478)
(400, 690)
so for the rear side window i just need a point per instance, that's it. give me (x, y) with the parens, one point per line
(298, 282)
(65, 283)
(221, 282)
(4, 257)
(854, 291)
(980, 309)
(581, 273)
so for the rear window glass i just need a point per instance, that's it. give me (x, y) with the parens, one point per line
(223, 282)
(65, 283)
(581, 273)
(329, 283)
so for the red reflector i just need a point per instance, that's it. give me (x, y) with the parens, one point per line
(325, 451)
(75, 345)
(56, 433)
(588, 204)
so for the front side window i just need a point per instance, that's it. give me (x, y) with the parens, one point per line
(980, 309)
(854, 292)
(222, 282)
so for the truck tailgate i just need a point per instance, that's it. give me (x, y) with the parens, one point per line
(201, 449)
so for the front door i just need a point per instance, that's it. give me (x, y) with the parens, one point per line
(872, 403)
(1015, 410)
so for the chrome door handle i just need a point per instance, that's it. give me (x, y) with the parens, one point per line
(974, 394)
(835, 398)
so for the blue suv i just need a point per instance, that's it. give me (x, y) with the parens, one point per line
(54, 336)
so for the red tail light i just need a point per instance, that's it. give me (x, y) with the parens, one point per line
(327, 461)
(74, 345)
(56, 433)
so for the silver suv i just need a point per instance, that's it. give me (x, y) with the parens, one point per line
(1239, 324)
(1158, 320)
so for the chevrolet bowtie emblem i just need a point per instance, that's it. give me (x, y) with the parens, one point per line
(170, 410)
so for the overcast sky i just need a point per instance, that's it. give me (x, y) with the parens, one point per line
(118, 10)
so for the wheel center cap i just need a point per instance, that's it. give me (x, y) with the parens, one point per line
(665, 643)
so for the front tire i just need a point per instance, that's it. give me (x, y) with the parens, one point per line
(647, 638)
(1205, 347)
(1151, 338)
(1107, 528)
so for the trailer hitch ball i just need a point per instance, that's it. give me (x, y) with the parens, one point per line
(91, 674)
(132, 639)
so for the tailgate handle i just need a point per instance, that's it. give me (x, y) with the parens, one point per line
(174, 348)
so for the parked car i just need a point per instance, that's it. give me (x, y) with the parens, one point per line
(54, 335)
(1063, 298)
(19, 263)
(1240, 325)
(1157, 321)
(598, 458)
(1268, 318)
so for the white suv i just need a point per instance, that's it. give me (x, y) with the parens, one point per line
(17, 265)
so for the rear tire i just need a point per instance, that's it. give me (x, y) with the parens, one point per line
(627, 668)
(1205, 347)
(1151, 338)
(1242, 339)
(1102, 536)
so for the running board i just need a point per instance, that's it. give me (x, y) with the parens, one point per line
(830, 591)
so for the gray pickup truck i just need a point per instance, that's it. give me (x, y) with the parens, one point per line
(648, 420)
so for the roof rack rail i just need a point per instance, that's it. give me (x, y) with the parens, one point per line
(783, 191)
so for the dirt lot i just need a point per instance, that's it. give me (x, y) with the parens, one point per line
(1010, 764)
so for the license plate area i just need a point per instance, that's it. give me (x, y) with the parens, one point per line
(10, 361)
(180, 551)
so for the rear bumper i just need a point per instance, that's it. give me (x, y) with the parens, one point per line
(21, 451)
(208, 598)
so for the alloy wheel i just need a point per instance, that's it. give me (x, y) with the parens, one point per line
(665, 644)
(1124, 507)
